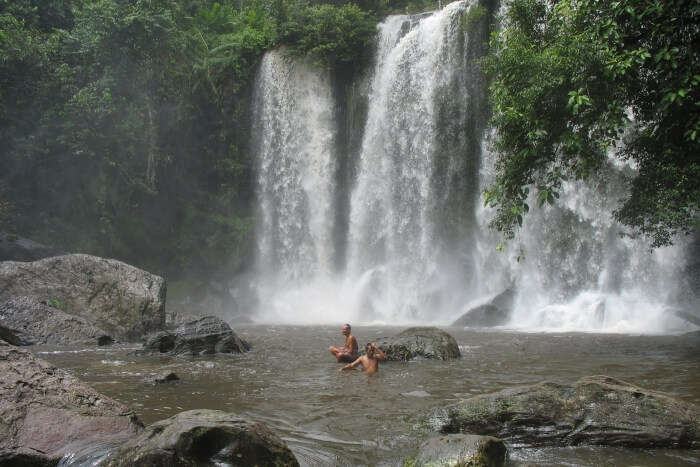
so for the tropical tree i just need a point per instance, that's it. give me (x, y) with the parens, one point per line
(574, 81)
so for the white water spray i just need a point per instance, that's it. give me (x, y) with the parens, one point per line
(401, 266)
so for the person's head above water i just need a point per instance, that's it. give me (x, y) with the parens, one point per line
(346, 329)
(369, 349)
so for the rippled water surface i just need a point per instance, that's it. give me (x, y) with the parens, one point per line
(291, 382)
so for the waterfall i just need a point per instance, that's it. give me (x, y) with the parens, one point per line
(294, 131)
(395, 242)
(415, 247)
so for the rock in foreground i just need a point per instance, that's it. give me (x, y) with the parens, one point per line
(27, 321)
(596, 410)
(204, 437)
(204, 336)
(124, 301)
(45, 413)
(420, 342)
(461, 450)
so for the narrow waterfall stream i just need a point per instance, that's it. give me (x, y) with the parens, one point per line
(417, 245)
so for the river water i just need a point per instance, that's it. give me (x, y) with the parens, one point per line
(290, 382)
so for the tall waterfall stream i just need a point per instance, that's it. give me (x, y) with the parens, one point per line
(414, 244)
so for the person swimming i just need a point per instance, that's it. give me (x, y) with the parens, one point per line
(369, 361)
(348, 352)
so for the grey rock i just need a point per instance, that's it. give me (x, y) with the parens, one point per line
(204, 437)
(14, 248)
(45, 413)
(462, 451)
(596, 410)
(207, 335)
(496, 312)
(165, 377)
(104, 340)
(124, 301)
(420, 342)
(27, 321)
(160, 342)
(204, 336)
(15, 336)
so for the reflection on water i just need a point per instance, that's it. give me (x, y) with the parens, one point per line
(291, 382)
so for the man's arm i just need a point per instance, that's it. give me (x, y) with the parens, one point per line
(378, 353)
(351, 365)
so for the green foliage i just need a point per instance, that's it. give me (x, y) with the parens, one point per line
(570, 79)
(333, 36)
(125, 124)
(56, 303)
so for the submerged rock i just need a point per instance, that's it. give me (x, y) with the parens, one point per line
(124, 301)
(597, 410)
(420, 342)
(27, 321)
(461, 451)
(207, 335)
(165, 377)
(204, 437)
(45, 413)
(496, 312)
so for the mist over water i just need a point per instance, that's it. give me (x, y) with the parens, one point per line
(417, 244)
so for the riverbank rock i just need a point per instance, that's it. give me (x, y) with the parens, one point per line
(27, 321)
(204, 437)
(461, 450)
(420, 342)
(596, 410)
(204, 336)
(496, 312)
(45, 413)
(15, 248)
(125, 302)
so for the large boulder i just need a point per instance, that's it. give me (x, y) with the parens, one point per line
(496, 312)
(27, 321)
(460, 451)
(596, 410)
(45, 413)
(204, 437)
(124, 301)
(14, 248)
(204, 336)
(420, 342)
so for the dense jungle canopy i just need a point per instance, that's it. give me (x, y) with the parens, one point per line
(125, 125)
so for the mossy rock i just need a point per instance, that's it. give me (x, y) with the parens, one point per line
(596, 410)
(420, 343)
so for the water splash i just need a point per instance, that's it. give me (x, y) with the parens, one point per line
(295, 134)
(418, 247)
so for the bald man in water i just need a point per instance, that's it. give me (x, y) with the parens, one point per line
(369, 361)
(348, 352)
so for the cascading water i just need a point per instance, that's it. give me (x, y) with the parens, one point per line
(417, 248)
(295, 134)
(396, 250)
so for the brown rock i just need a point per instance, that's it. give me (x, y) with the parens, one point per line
(45, 413)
